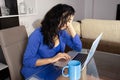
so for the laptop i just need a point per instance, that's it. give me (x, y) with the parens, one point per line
(82, 56)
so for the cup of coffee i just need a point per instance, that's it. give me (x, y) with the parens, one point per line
(74, 70)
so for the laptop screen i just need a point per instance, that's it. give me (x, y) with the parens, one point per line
(92, 50)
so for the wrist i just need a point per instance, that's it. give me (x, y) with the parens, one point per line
(51, 60)
(71, 31)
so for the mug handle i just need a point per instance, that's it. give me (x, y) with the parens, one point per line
(65, 75)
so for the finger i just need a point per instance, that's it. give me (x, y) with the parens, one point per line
(68, 56)
(63, 57)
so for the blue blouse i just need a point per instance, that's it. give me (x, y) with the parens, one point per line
(36, 49)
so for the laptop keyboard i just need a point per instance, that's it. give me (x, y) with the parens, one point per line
(80, 57)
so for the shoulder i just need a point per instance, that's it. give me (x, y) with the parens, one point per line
(36, 34)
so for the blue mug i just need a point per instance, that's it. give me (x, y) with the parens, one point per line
(74, 70)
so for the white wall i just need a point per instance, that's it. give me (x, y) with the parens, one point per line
(42, 8)
(44, 5)
(101, 9)
(105, 9)
(88, 9)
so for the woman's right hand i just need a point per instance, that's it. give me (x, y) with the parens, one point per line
(61, 56)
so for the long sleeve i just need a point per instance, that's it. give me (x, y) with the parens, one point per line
(30, 55)
(73, 42)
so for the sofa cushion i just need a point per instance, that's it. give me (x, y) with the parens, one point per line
(91, 28)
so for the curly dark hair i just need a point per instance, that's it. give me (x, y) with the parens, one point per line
(54, 19)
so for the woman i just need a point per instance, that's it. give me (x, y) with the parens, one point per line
(46, 44)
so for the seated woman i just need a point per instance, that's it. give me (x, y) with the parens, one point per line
(46, 44)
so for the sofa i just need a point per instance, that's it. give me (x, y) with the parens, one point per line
(89, 29)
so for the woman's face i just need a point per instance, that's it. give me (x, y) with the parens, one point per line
(65, 26)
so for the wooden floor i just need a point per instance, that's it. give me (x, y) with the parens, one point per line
(108, 65)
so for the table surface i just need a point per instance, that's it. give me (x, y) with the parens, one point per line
(90, 72)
